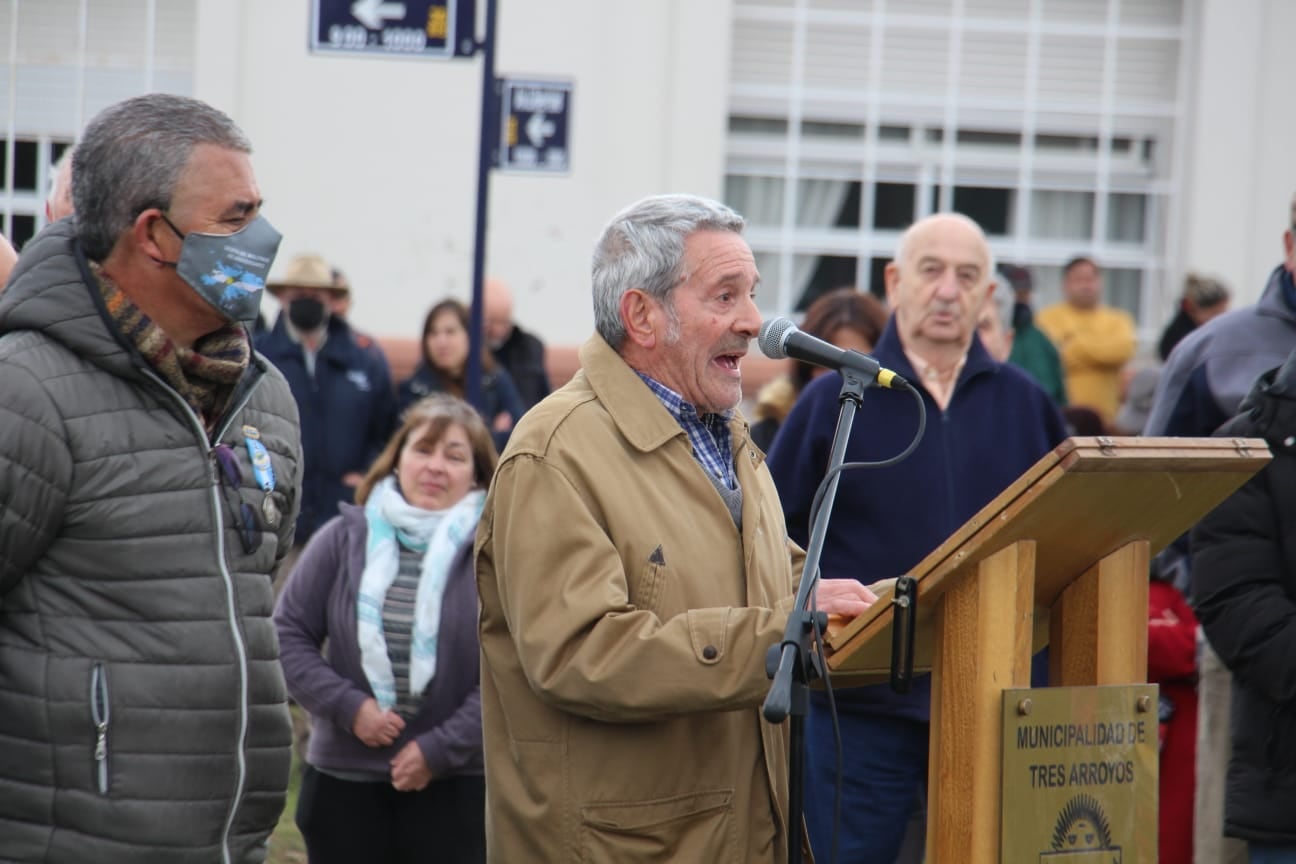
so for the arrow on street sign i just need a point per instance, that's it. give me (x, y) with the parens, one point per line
(426, 29)
(372, 13)
(538, 128)
(535, 125)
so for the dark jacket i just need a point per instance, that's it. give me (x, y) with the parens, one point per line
(499, 395)
(126, 595)
(998, 423)
(1213, 367)
(1179, 327)
(319, 604)
(348, 411)
(1244, 585)
(523, 357)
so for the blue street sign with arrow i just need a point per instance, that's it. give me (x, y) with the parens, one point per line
(534, 132)
(413, 28)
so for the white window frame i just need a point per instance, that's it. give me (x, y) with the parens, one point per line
(946, 164)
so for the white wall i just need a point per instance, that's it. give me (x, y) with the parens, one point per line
(372, 161)
(1241, 166)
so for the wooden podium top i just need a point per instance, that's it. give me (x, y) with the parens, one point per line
(1080, 502)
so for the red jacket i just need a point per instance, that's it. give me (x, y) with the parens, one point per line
(1172, 663)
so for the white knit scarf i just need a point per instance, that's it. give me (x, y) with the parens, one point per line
(393, 521)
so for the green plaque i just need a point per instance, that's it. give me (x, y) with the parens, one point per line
(1080, 775)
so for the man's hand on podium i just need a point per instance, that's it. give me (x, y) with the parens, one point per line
(844, 597)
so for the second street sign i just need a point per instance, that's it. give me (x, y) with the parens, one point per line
(536, 120)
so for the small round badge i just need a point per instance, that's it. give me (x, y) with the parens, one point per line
(270, 510)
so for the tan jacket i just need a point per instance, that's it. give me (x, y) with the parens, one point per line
(624, 626)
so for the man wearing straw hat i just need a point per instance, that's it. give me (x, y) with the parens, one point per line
(344, 393)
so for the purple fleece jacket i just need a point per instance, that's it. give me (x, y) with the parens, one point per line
(319, 602)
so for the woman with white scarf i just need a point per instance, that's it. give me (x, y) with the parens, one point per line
(378, 638)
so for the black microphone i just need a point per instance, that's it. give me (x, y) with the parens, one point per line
(780, 338)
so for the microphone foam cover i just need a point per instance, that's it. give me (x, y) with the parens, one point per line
(772, 334)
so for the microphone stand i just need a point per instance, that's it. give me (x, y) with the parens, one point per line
(789, 663)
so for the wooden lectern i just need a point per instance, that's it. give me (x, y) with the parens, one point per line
(1059, 557)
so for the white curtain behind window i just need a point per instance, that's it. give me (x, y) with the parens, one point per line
(818, 203)
(1126, 215)
(761, 201)
(758, 199)
(1058, 215)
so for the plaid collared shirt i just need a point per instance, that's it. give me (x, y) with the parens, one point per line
(708, 433)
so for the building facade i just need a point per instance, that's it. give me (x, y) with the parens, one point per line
(1146, 133)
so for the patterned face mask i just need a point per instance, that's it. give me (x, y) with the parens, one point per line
(229, 270)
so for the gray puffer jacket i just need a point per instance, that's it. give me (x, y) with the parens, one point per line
(142, 706)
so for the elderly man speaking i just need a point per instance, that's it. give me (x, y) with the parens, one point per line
(633, 569)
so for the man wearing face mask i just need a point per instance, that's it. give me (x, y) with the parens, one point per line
(344, 392)
(149, 486)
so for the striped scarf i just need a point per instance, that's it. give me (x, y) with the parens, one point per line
(205, 375)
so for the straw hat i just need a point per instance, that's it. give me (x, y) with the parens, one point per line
(306, 271)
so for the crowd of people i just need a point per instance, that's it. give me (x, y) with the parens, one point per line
(535, 628)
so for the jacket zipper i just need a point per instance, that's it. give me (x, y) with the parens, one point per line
(243, 395)
(99, 713)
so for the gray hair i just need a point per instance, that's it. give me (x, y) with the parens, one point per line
(57, 178)
(1003, 300)
(131, 157)
(643, 247)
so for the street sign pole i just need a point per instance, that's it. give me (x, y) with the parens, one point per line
(428, 29)
(485, 161)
